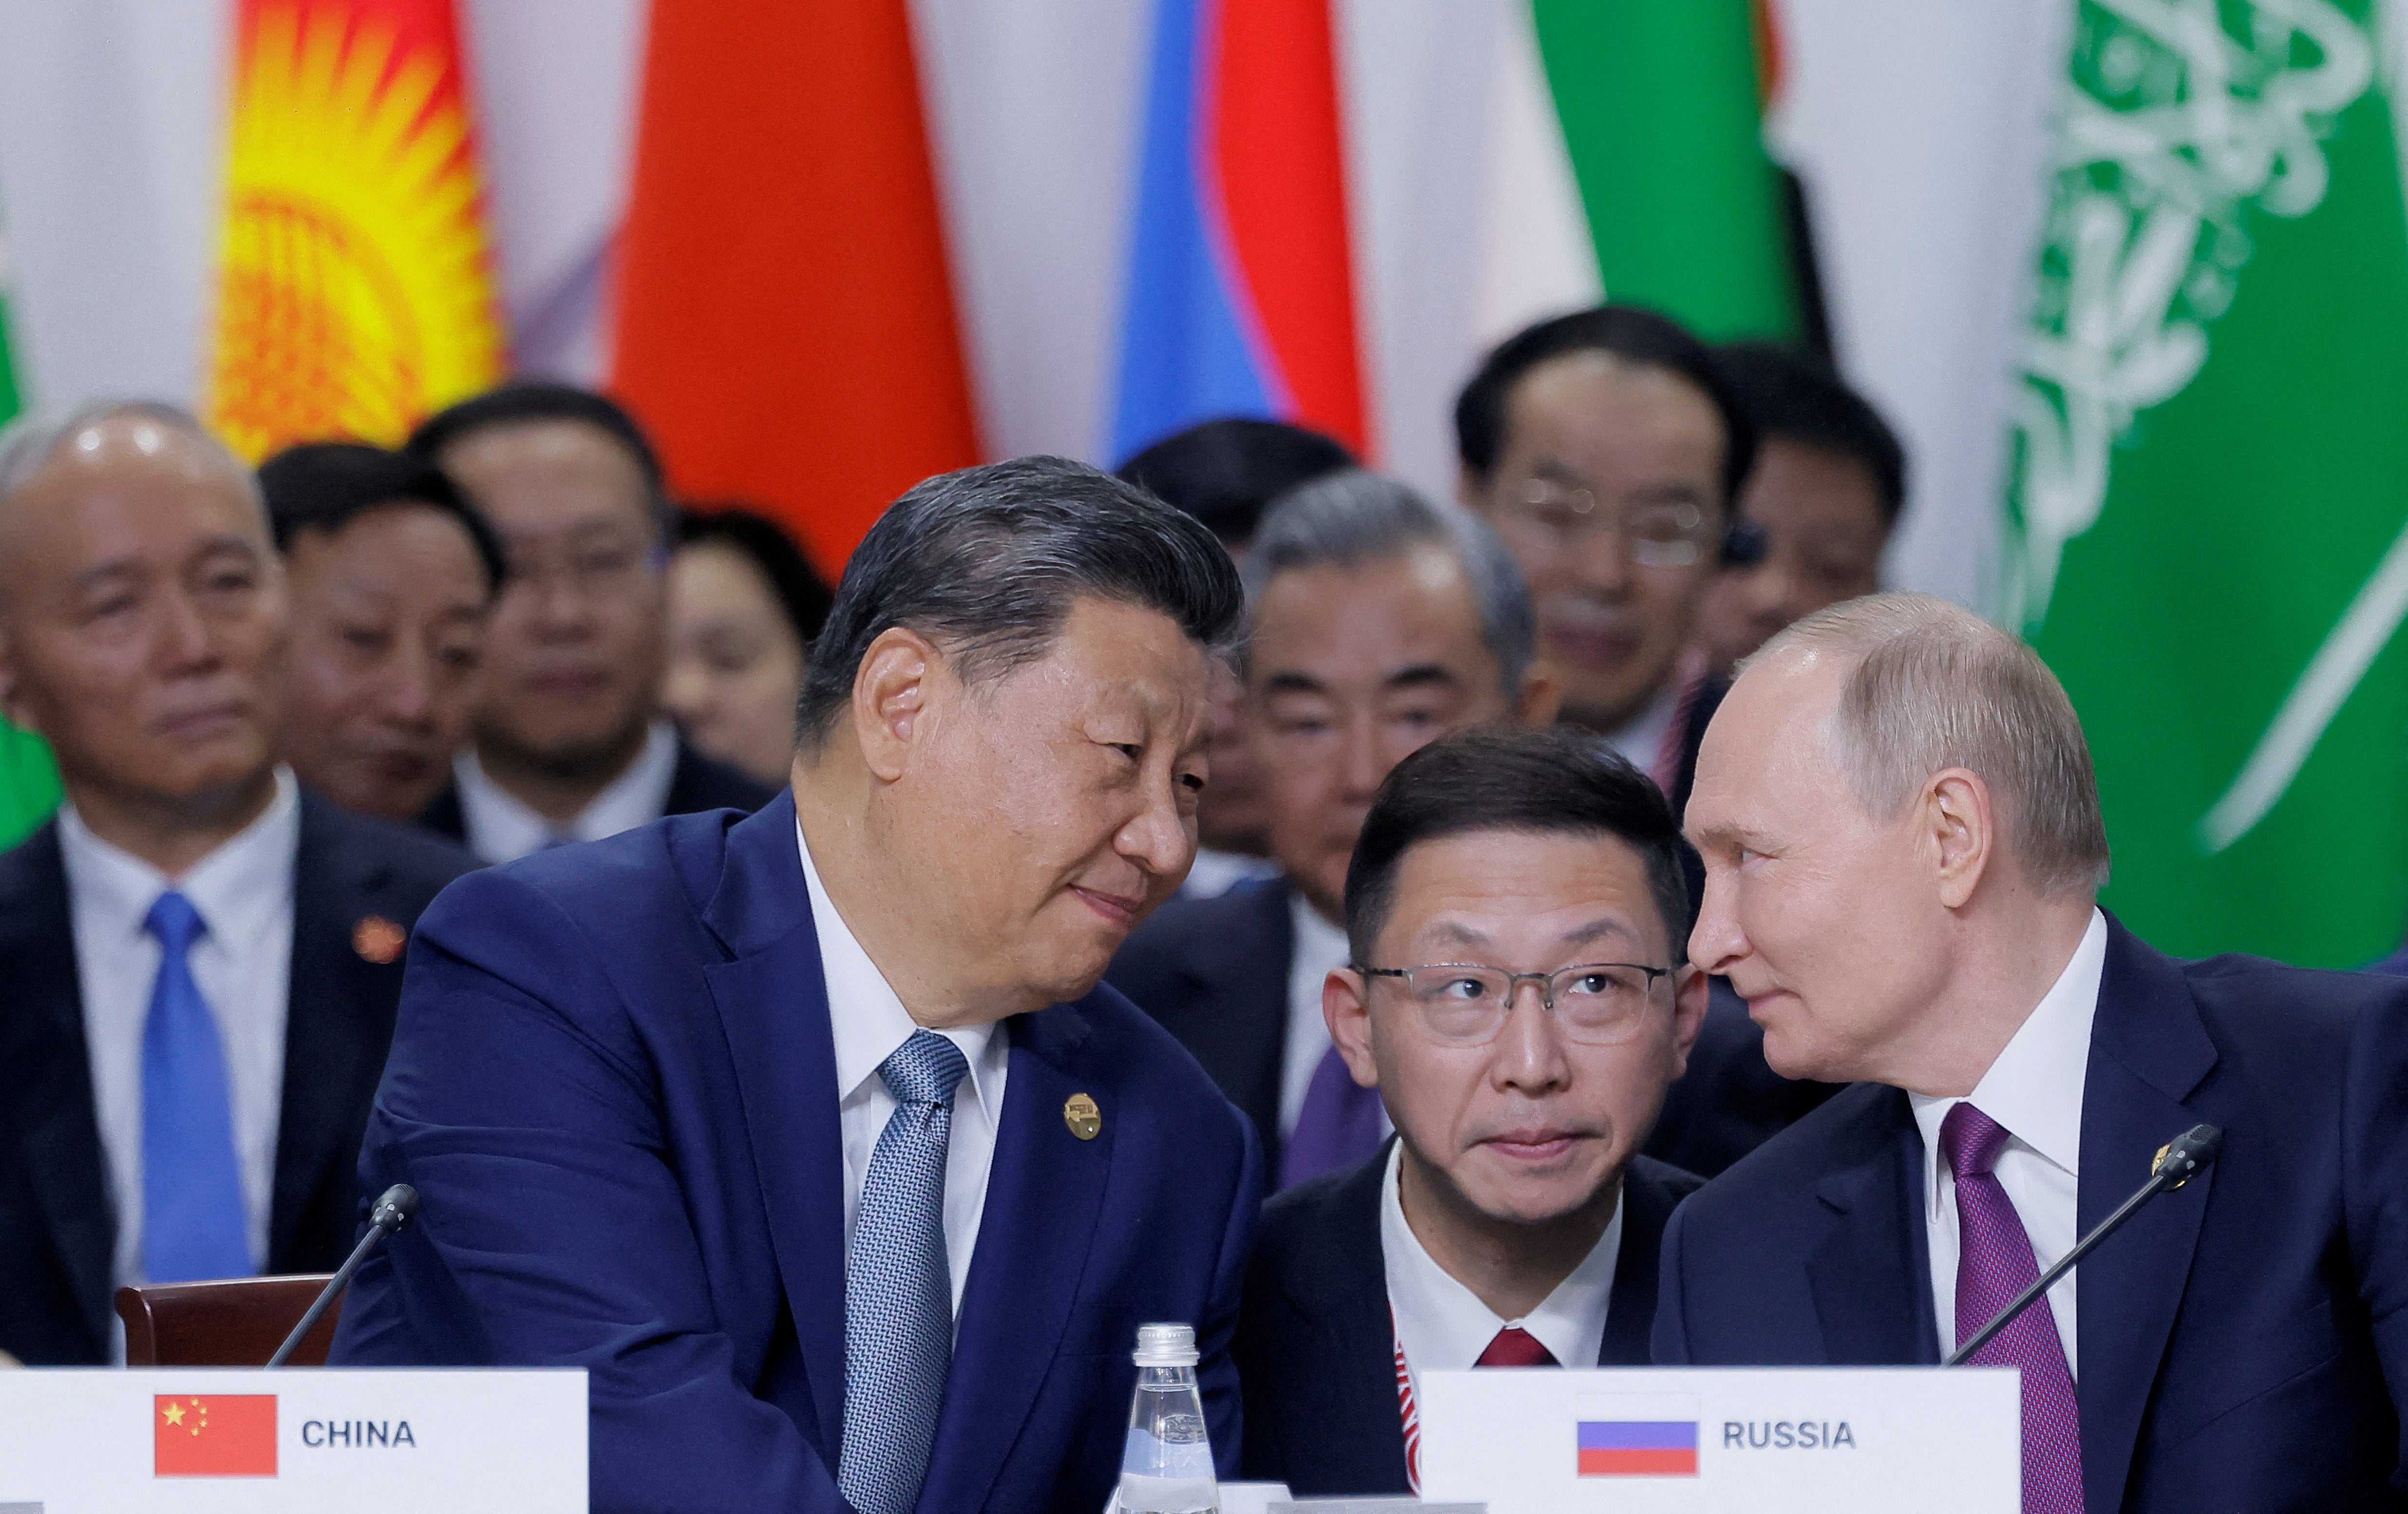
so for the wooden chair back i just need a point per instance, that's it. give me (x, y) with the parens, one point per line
(235, 1323)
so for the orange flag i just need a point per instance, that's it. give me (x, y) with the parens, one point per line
(785, 319)
(355, 289)
(213, 1435)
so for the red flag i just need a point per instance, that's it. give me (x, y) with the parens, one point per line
(214, 1435)
(785, 320)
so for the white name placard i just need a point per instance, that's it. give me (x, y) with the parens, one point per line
(195, 1440)
(1703, 1440)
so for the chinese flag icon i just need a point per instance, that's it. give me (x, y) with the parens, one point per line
(214, 1435)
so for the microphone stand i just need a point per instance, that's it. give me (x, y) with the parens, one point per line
(395, 1208)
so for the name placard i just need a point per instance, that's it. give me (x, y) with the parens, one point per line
(1702, 1440)
(203, 1440)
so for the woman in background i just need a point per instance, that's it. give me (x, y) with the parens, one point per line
(744, 606)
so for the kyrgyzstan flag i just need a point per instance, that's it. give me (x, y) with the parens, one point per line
(214, 1435)
(355, 289)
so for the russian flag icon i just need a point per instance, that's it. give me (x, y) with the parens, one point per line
(1634, 1436)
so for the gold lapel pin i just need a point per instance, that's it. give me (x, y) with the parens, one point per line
(378, 940)
(1080, 1113)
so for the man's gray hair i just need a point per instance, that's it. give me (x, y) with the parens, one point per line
(1936, 686)
(33, 439)
(1351, 518)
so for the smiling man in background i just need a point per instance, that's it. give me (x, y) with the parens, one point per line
(1518, 997)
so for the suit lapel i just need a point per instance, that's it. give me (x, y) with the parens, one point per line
(331, 1058)
(2148, 1051)
(1044, 1194)
(1243, 978)
(1344, 1292)
(772, 1000)
(47, 1073)
(1647, 1205)
(1870, 1273)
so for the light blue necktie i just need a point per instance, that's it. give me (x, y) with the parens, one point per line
(193, 1222)
(898, 1290)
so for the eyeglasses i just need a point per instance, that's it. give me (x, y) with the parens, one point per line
(1466, 1005)
(1557, 515)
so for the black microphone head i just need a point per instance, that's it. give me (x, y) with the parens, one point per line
(2188, 1155)
(395, 1207)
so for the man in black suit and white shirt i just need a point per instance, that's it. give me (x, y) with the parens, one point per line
(1517, 994)
(199, 963)
(1381, 621)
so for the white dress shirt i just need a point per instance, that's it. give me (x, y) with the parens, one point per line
(1320, 950)
(2035, 1090)
(870, 1024)
(1443, 1327)
(503, 827)
(1215, 874)
(242, 964)
(1641, 739)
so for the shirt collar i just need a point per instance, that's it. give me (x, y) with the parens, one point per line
(1443, 1324)
(1317, 942)
(236, 890)
(503, 827)
(866, 1018)
(2034, 1089)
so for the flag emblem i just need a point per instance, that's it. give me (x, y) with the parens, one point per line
(1634, 1436)
(213, 1435)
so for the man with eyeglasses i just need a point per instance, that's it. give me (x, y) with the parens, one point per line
(1606, 449)
(1515, 914)
(568, 742)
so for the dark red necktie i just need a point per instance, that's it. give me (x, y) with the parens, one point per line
(1516, 1347)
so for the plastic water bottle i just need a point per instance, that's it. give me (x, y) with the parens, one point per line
(1168, 1466)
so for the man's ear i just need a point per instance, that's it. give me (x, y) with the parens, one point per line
(890, 692)
(1690, 988)
(1962, 831)
(1347, 1010)
(1541, 697)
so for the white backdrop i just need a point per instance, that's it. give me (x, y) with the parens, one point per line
(1919, 129)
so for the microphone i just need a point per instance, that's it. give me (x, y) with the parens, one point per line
(2179, 1161)
(397, 1207)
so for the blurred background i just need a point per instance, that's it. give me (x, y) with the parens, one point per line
(2130, 278)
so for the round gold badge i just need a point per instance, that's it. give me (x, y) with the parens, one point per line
(1080, 1113)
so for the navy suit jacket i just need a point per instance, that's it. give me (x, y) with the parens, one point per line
(1316, 1345)
(614, 1087)
(2243, 1340)
(1214, 972)
(58, 1225)
(697, 784)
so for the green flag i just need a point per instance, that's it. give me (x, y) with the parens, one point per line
(29, 783)
(2206, 518)
(1662, 118)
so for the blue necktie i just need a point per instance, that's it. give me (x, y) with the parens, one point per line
(193, 1222)
(898, 1290)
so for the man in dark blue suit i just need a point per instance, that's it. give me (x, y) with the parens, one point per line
(810, 1136)
(1902, 843)
(199, 959)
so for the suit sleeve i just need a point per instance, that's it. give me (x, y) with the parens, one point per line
(2374, 1164)
(551, 1230)
(1670, 1346)
(1216, 1372)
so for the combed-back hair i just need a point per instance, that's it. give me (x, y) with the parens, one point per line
(1802, 398)
(1350, 519)
(1935, 686)
(29, 442)
(1554, 782)
(524, 401)
(1629, 332)
(323, 485)
(1225, 472)
(800, 591)
(987, 563)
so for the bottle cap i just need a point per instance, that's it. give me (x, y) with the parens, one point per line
(1166, 1346)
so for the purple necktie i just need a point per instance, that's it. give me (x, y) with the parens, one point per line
(1338, 1126)
(1994, 1263)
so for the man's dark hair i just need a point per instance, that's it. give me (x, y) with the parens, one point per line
(321, 486)
(525, 400)
(986, 561)
(1626, 331)
(801, 592)
(1550, 781)
(1800, 398)
(1224, 472)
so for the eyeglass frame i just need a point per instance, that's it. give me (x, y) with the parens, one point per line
(1513, 982)
(1743, 542)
